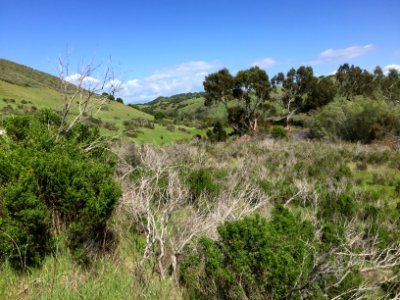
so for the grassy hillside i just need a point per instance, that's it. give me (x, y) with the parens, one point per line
(23, 89)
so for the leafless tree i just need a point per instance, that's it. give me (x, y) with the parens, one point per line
(82, 93)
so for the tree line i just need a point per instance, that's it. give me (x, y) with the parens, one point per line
(299, 91)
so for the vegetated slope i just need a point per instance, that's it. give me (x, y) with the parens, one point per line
(189, 109)
(25, 76)
(23, 89)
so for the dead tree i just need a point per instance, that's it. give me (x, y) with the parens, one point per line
(82, 93)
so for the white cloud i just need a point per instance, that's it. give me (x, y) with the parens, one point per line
(182, 78)
(332, 73)
(264, 63)
(392, 66)
(348, 53)
(88, 82)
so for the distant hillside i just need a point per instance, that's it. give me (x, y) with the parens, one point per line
(25, 76)
(25, 90)
(189, 109)
(176, 98)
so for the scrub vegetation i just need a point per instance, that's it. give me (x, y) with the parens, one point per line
(286, 188)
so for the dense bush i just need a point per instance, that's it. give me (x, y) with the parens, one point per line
(278, 132)
(201, 182)
(217, 134)
(50, 187)
(362, 120)
(253, 259)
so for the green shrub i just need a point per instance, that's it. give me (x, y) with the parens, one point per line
(253, 259)
(50, 187)
(362, 120)
(278, 131)
(217, 134)
(337, 208)
(201, 182)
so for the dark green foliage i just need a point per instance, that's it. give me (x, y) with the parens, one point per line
(119, 100)
(278, 131)
(322, 92)
(237, 119)
(363, 120)
(303, 91)
(159, 115)
(253, 259)
(250, 87)
(349, 81)
(201, 182)
(217, 134)
(108, 96)
(48, 187)
(49, 117)
(337, 208)
(331, 234)
(390, 86)
(218, 87)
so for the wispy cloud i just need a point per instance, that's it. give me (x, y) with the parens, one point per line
(343, 54)
(392, 66)
(181, 78)
(264, 63)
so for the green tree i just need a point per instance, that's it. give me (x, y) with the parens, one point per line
(322, 91)
(218, 87)
(349, 81)
(296, 86)
(252, 88)
(391, 86)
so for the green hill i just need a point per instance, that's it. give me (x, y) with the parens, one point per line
(189, 109)
(23, 89)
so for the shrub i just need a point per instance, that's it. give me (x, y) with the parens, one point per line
(201, 182)
(278, 131)
(50, 187)
(337, 208)
(362, 120)
(217, 134)
(253, 259)
(159, 116)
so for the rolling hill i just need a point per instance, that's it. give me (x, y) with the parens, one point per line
(23, 89)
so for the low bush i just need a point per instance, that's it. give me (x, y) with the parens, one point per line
(361, 120)
(278, 132)
(253, 259)
(201, 182)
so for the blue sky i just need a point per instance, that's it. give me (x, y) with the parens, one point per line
(168, 46)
